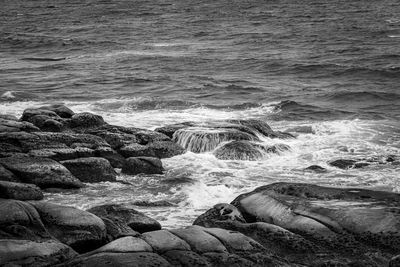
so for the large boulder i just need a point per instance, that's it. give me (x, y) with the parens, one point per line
(60, 154)
(29, 113)
(122, 215)
(7, 125)
(20, 191)
(20, 220)
(35, 254)
(6, 175)
(91, 170)
(124, 245)
(136, 150)
(146, 165)
(165, 149)
(347, 164)
(81, 230)
(42, 172)
(163, 240)
(60, 110)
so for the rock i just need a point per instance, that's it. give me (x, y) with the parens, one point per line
(117, 229)
(31, 112)
(316, 168)
(316, 211)
(165, 149)
(20, 191)
(305, 129)
(86, 120)
(60, 154)
(39, 120)
(30, 253)
(136, 150)
(124, 245)
(202, 139)
(185, 258)
(130, 217)
(169, 130)
(257, 126)
(244, 150)
(91, 170)
(163, 240)
(343, 163)
(199, 240)
(15, 126)
(42, 172)
(8, 117)
(81, 230)
(395, 261)
(144, 165)
(239, 150)
(60, 110)
(6, 175)
(227, 259)
(112, 259)
(51, 125)
(20, 220)
(157, 203)
(115, 159)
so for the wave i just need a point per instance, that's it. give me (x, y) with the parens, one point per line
(363, 96)
(44, 58)
(292, 110)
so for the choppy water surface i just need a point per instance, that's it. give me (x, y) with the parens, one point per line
(332, 65)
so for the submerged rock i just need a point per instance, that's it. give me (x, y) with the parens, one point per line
(244, 150)
(146, 165)
(91, 170)
(316, 168)
(347, 164)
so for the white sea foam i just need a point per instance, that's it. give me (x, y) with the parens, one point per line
(8, 95)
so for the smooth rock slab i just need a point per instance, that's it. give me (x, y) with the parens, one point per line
(42, 172)
(136, 220)
(109, 259)
(20, 191)
(125, 244)
(163, 240)
(35, 254)
(199, 240)
(91, 170)
(185, 258)
(79, 229)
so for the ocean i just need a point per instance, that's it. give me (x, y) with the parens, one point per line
(332, 65)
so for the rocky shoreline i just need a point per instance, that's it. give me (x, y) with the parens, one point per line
(281, 224)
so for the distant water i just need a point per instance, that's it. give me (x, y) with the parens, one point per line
(333, 65)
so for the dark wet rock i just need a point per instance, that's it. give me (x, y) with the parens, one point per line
(305, 129)
(31, 112)
(15, 126)
(20, 191)
(185, 258)
(348, 164)
(117, 229)
(136, 150)
(42, 172)
(163, 240)
(178, 180)
(199, 240)
(244, 150)
(146, 165)
(60, 110)
(81, 230)
(207, 139)
(86, 120)
(158, 203)
(51, 125)
(39, 120)
(169, 130)
(112, 259)
(395, 261)
(91, 170)
(316, 169)
(165, 149)
(37, 254)
(6, 175)
(20, 220)
(136, 220)
(116, 160)
(60, 154)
